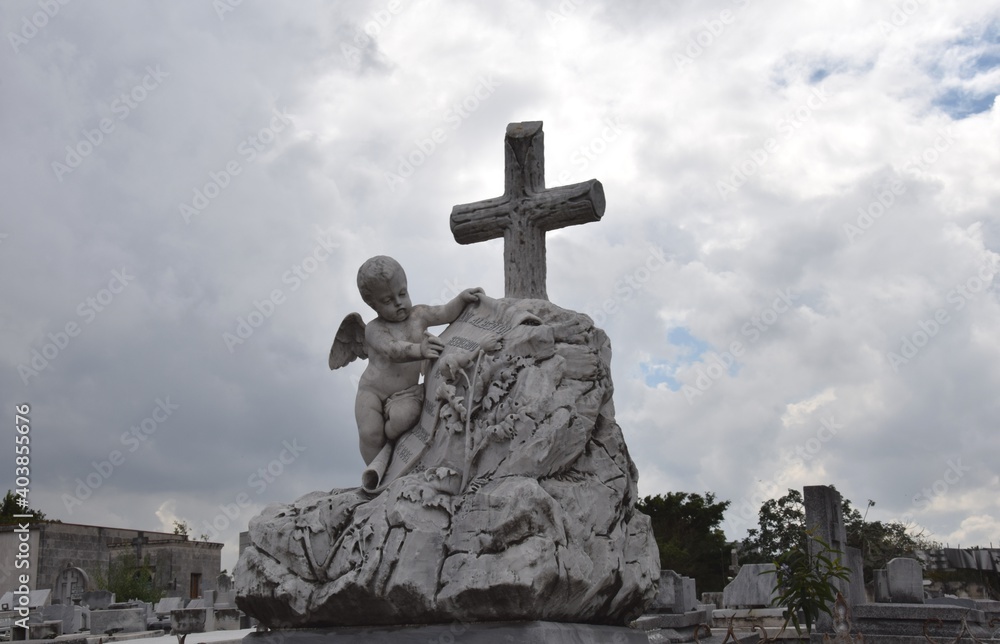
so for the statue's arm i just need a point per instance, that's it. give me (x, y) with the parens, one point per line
(381, 341)
(448, 313)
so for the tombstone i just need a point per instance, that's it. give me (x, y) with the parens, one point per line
(97, 599)
(512, 498)
(676, 594)
(117, 620)
(906, 581)
(224, 583)
(754, 586)
(167, 604)
(227, 619)
(856, 564)
(881, 583)
(226, 599)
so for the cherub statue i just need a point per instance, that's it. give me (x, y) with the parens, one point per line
(395, 343)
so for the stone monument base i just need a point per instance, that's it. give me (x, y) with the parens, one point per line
(476, 633)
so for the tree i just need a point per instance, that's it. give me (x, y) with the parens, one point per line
(688, 536)
(128, 580)
(11, 505)
(782, 528)
(181, 528)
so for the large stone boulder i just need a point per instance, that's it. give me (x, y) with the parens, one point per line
(513, 498)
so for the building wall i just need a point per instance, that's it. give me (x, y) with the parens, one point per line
(57, 546)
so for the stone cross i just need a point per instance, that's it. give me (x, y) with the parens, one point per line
(525, 211)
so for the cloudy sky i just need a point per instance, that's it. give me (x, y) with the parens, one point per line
(797, 265)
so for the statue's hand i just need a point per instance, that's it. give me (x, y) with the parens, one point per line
(471, 294)
(431, 346)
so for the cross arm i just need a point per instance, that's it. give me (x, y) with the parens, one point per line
(549, 209)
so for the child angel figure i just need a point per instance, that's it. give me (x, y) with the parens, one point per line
(390, 396)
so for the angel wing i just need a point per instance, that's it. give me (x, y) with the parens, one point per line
(349, 343)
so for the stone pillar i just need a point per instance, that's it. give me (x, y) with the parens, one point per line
(825, 520)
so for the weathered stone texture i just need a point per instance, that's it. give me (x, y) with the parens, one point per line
(522, 509)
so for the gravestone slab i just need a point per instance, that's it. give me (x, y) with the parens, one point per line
(881, 583)
(118, 620)
(754, 586)
(97, 599)
(167, 604)
(855, 562)
(906, 581)
(46, 630)
(676, 594)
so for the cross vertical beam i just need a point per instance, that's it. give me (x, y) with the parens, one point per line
(526, 211)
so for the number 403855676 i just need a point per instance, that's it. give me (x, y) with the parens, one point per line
(22, 449)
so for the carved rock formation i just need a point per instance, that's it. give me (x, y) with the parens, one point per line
(518, 506)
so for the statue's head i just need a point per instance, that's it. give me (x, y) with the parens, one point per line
(375, 277)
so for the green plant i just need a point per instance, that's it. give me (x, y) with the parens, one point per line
(805, 581)
(128, 580)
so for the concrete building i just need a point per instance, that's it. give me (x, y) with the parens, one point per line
(65, 556)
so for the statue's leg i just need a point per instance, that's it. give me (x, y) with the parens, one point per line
(403, 414)
(371, 425)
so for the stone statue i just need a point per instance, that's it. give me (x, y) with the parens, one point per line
(512, 496)
(395, 343)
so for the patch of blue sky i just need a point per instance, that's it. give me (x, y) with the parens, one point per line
(686, 349)
(959, 103)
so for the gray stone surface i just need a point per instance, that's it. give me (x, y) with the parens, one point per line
(119, 620)
(190, 620)
(855, 561)
(675, 594)
(535, 632)
(755, 585)
(964, 602)
(227, 619)
(906, 581)
(97, 599)
(46, 630)
(522, 510)
(167, 604)
(880, 581)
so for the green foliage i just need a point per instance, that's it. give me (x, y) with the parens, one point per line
(782, 527)
(127, 580)
(9, 507)
(181, 528)
(805, 582)
(687, 532)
